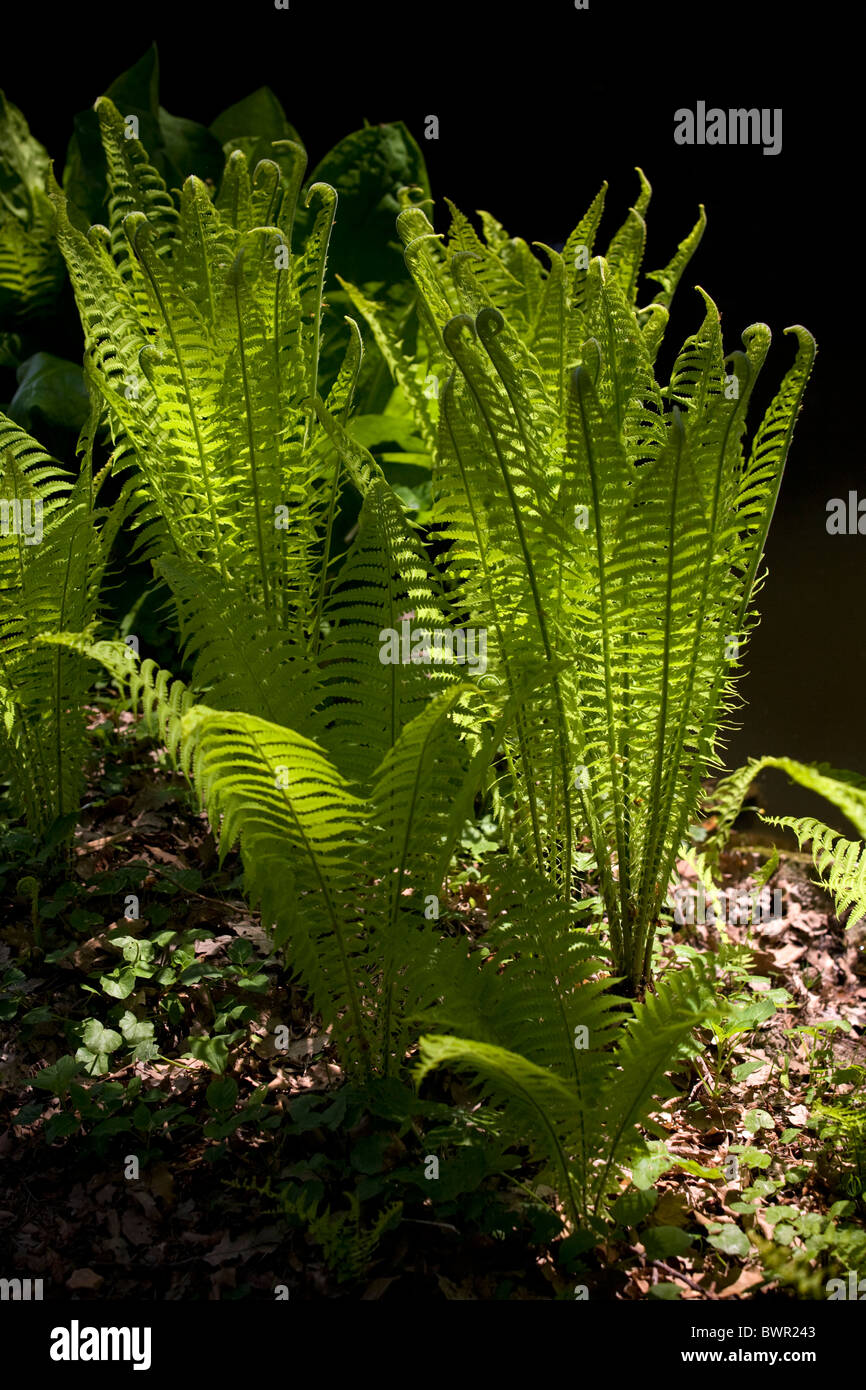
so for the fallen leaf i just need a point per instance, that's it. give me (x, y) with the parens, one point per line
(84, 1279)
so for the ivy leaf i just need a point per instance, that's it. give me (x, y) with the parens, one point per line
(754, 1120)
(730, 1240)
(120, 984)
(661, 1241)
(97, 1038)
(57, 1077)
(213, 1051)
(135, 1030)
(648, 1170)
(222, 1093)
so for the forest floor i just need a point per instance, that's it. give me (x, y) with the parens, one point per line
(169, 1179)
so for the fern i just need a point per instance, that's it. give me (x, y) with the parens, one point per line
(343, 880)
(599, 525)
(50, 574)
(841, 863)
(31, 269)
(202, 328)
(846, 790)
(578, 1075)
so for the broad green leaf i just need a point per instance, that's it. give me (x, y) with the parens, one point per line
(661, 1241)
(97, 1038)
(731, 1240)
(50, 391)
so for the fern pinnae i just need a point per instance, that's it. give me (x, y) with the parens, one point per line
(293, 153)
(397, 796)
(317, 250)
(453, 331)
(140, 234)
(585, 401)
(660, 870)
(661, 1032)
(237, 769)
(448, 424)
(841, 863)
(767, 460)
(770, 448)
(251, 434)
(533, 1087)
(338, 404)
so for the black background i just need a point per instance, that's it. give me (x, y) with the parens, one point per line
(538, 103)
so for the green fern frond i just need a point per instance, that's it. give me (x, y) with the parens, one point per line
(53, 550)
(841, 863)
(588, 1133)
(31, 269)
(845, 790)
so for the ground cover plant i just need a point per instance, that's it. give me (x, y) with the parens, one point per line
(349, 901)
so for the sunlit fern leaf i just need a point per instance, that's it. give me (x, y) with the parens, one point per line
(310, 274)
(234, 199)
(134, 185)
(300, 832)
(242, 658)
(536, 1105)
(108, 313)
(202, 336)
(840, 862)
(846, 790)
(403, 370)
(421, 798)
(670, 277)
(547, 1000)
(554, 967)
(383, 615)
(204, 249)
(761, 476)
(659, 1035)
(625, 252)
(53, 553)
(291, 157)
(587, 1134)
(641, 607)
(494, 276)
(577, 256)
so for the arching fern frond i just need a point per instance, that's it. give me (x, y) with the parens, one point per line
(587, 1133)
(841, 863)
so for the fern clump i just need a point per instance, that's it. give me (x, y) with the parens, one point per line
(599, 525)
(601, 529)
(54, 547)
